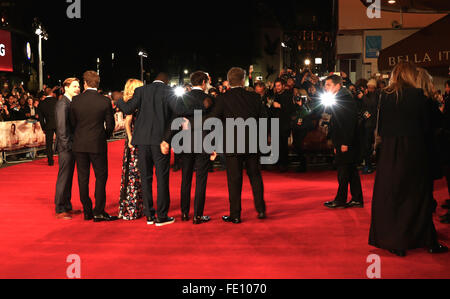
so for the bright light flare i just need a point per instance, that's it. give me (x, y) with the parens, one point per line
(328, 99)
(179, 91)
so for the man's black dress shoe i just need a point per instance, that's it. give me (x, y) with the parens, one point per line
(151, 220)
(262, 216)
(355, 204)
(104, 217)
(185, 218)
(231, 220)
(200, 220)
(88, 216)
(400, 253)
(164, 221)
(336, 205)
(439, 248)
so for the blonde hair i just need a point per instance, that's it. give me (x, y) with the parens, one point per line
(425, 82)
(130, 87)
(404, 75)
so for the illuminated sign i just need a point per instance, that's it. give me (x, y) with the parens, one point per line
(5, 51)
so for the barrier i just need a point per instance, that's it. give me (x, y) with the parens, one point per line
(27, 137)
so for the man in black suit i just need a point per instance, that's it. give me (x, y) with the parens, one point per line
(66, 160)
(89, 113)
(195, 100)
(343, 126)
(156, 103)
(285, 109)
(48, 122)
(238, 103)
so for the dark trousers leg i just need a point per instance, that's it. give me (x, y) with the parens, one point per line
(202, 166)
(355, 184)
(284, 147)
(254, 174)
(234, 176)
(343, 179)
(63, 192)
(83, 169)
(368, 144)
(299, 136)
(145, 165)
(162, 164)
(187, 166)
(100, 165)
(348, 175)
(49, 135)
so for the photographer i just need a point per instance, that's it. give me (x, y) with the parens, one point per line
(369, 114)
(302, 124)
(285, 107)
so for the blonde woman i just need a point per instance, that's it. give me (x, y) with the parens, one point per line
(131, 202)
(402, 207)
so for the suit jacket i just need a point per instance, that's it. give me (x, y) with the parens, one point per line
(193, 101)
(47, 113)
(89, 113)
(238, 103)
(64, 131)
(287, 109)
(343, 126)
(156, 104)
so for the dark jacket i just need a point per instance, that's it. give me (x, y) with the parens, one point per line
(89, 113)
(406, 115)
(234, 104)
(156, 103)
(47, 113)
(287, 110)
(343, 127)
(194, 101)
(370, 104)
(64, 131)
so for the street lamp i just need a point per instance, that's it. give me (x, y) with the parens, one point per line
(143, 54)
(42, 34)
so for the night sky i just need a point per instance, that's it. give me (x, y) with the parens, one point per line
(208, 35)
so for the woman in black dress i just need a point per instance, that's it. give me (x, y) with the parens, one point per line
(131, 203)
(402, 207)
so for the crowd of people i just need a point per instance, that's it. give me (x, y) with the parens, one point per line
(405, 120)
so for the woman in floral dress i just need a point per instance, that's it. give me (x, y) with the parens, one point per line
(131, 204)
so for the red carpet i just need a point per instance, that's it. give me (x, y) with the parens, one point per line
(301, 239)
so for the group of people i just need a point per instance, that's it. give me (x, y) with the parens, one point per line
(409, 115)
(150, 109)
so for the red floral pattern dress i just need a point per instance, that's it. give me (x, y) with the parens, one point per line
(131, 203)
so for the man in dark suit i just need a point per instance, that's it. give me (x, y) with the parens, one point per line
(195, 100)
(285, 109)
(89, 113)
(66, 160)
(156, 103)
(344, 121)
(238, 103)
(48, 122)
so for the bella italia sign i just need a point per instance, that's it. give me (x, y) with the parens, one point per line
(431, 58)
